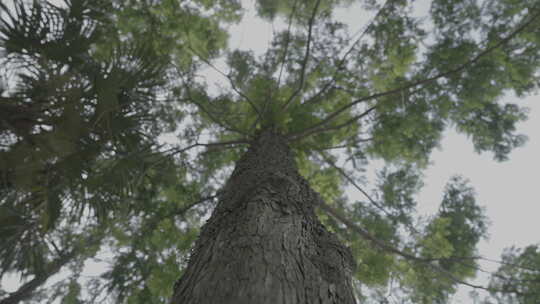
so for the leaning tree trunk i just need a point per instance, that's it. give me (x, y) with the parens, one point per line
(264, 243)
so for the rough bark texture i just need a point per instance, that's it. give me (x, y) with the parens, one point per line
(264, 243)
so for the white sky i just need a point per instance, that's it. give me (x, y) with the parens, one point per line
(508, 190)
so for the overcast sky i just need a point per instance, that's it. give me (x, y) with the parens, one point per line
(508, 190)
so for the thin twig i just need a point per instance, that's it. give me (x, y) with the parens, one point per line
(182, 210)
(320, 127)
(341, 62)
(286, 44)
(212, 144)
(347, 145)
(224, 124)
(306, 58)
(352, 182)
(235, 89)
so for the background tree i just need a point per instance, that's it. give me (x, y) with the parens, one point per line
(93, 84)
(86, 98)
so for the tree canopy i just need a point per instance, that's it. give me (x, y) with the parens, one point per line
(114, 143)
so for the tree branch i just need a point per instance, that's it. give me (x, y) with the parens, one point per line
(365, 234)
(224, 124)
(319, 127)
(391, 249)
(341, 62)
(235, 89)
(182, 210)
(286, 44)
(306, 57)
(27, 290)
(213, 144)
(348, 143)
(460, 68)
(353, 182)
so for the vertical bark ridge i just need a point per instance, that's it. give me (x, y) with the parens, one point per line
(263, 242)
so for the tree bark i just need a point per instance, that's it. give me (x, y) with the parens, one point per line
(263, 242)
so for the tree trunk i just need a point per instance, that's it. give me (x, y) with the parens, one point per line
(264, 243)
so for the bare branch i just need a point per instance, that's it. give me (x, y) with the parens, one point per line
(365, 234)
(235, 89)
(269, 96)
(27, 289)
(347, 144)
(181, 211)
(341, 63)
(214, 144)
(306, 57)
(319, 127)
(352, 182)
(507, 264)
(287, 43)
(221, 122)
